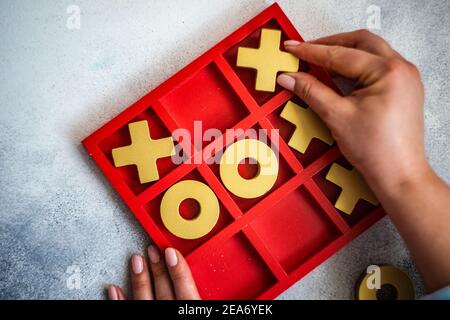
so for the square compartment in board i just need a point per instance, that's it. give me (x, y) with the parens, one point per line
(207, 97)
(332, 192)
(233, 270)
(295, 229)
(248, 170)
(121, 138)
(316, 147)
(247, 75)
(188, 209)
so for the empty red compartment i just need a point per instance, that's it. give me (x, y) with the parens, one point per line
(188, 209)
(233, 270)
(122, 138)
(332, 192)
(207, 97)
(295, 229)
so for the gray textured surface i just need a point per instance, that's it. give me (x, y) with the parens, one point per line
(58, 85)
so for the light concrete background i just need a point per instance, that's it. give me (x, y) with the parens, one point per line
(58, 85)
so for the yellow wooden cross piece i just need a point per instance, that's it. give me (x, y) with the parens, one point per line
(268, 60)
(143, 151)
(307, 126)
(353, 188)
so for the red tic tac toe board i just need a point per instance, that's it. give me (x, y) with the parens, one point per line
(259, 247)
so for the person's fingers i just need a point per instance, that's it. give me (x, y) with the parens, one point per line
(351, 63)
(161, 278)
(140, 279)
(322, 99)
(359, 39)
(183, 282)
(112, 293)
(120, 294)
(115, 293)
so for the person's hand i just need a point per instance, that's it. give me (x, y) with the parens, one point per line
(379, 126)
(168, 278)
(379, 129)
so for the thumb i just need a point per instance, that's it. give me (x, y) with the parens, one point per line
(320, 98)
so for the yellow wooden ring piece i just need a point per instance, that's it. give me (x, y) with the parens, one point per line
(388, 275)
(267, 168)
(207, 217)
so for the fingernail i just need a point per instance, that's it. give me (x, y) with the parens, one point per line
(286, 81)
(291, 43)
(153, 254)
(137, 264)
(112, 293)
(171, 257)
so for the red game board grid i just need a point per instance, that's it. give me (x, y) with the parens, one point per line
(258, 115)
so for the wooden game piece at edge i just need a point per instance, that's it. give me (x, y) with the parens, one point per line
(389, 275)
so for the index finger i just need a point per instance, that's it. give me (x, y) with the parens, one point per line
(351, 63)
(359, 39)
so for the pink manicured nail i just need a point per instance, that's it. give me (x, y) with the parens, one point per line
(286, 81)
(137, 264)
(171, 257)
(112, 293)
(153, 254)
(291, 43)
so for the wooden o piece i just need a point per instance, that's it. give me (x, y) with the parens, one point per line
(207, 217)
(389, 275)
(267, 168)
